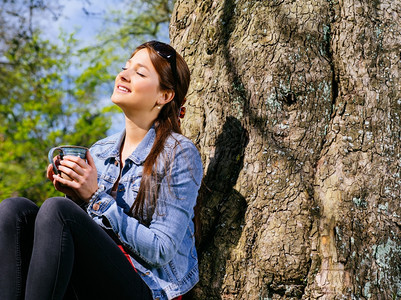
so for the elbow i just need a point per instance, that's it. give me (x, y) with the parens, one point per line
(163, 253)
(162, 257)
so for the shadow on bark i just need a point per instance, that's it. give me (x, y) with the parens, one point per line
(222, 209)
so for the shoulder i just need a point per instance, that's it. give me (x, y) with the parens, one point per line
(112, 139)
(179, 143)
(184, 155)
(107, 147)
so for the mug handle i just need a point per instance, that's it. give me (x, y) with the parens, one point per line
(51, 160)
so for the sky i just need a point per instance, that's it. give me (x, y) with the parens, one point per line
(74, 18)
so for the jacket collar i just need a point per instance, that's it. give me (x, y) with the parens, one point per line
(140, 153)
(143, 149)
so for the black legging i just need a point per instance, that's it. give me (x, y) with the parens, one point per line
(58, 252)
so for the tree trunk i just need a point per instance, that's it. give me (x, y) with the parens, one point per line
(295, 106)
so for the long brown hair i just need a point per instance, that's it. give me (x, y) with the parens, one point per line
(166, 123)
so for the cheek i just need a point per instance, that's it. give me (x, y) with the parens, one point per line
(148, 87)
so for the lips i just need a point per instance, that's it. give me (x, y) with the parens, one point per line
(123, 89)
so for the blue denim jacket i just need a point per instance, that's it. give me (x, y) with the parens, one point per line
(164, 252)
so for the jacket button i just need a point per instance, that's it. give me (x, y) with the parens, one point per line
(96, 206)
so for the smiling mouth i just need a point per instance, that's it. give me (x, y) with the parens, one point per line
(123, 89)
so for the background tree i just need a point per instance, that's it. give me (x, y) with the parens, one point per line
(296, 106)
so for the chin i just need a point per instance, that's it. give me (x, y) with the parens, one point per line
(120, 104)
(116, 102)
(114, 99)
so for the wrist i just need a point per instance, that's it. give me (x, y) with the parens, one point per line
(96, 194)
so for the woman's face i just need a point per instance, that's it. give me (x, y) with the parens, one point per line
(137, 89)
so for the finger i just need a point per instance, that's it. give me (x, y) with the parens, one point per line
(79, 161)
(57, 184)
(69, 172)
(89, 157)
(56, 160)
(73, 166)
(50, 172)
(65, 182)
(62, 188)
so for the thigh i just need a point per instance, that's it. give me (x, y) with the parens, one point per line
(100, 269)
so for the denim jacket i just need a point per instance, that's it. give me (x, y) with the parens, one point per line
(164, 252)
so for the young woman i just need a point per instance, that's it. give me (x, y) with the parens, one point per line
(139, 189)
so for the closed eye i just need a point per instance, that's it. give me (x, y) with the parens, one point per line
(140, 74)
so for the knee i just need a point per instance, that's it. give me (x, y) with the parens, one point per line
(15, 206)
(53, 209)
(14, 209)
(55, 204)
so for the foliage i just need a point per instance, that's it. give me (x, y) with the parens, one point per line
(41, 105)
(139, 21)
(52, 93)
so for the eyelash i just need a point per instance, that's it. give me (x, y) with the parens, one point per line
(124, 68)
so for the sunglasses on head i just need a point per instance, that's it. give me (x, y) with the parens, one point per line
(168, 53)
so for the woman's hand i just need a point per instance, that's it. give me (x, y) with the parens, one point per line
(61, 188)
(84, 177)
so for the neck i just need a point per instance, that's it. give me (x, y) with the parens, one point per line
(135, 131)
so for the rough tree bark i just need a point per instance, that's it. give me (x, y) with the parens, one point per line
(295, 106)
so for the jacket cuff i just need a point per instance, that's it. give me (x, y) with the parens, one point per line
(100, 204)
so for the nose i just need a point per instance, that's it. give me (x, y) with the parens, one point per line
(124, 76)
